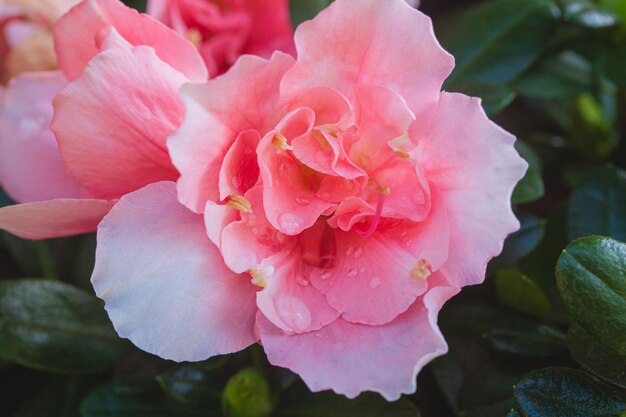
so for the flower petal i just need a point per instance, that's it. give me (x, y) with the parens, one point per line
(76, 38)
(473, 166)
(113, 121)
(164, 283)
(352, 358)
(372, 43)
(53, 218)
(216, 112)
(31, 168)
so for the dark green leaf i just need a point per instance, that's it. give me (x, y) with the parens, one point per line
(54, 327)
(588, 14)
(597, 206)
(517, 291)
(57, 400)
(560, 392)
(595, 357)
(190, 385)
(487, 386)
(520, 243)
(137, 4)
(326, 404)
(563, 76)
(497, 41)
(531, 187)
(591, 276)
(106, 402)
(302, 10)
(536, 342)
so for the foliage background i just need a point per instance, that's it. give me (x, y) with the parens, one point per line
(529, 342)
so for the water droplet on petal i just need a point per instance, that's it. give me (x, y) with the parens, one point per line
(325, 195)
(302, 281)
(290, 223)
(418, 197)
(375, 283)
(303, 201)
(29, 127)
(283, 169)
(352, 273)
(255, 231)
(236, 181)
(358, 252)
(293, 312)
(350, 251)
(362, 269)
(325, 275)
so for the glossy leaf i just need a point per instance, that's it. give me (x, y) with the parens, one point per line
(190, 385)
(591, 276)
(302, 10)
(534, 342)
(559, 392)
(563, 76)
(499, 40)
(520, 243)
(597, 206)
(326, 404)
(517, 291)
(55, 327)
(595, 357)
(531, 187)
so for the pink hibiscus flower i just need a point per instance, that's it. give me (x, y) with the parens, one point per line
(327, 208)
(115, 103)
(223, 30)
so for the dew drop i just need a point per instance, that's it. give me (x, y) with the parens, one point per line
(375, 283)
(358, 252)
(236, 181)
(325, 275)
(303, 201)
(255, 231)
(325, 195)
(302, 281)
(350, 251)
(352, 273)
(293, 312)
(290, 223)
(283, 169)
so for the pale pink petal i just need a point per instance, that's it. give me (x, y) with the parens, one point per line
(31, 168)
(372, 43)
(351, 358)
(216, 218)
(472, 165)
(290, 301)
(76, 38)
(53, 218)
(164, 283)
(216, 112)
(375, 278)
(113, 121)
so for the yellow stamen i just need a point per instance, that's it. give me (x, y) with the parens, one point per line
(422, 270)
(280, 142)
(261, 274)
(194, 36)
(402, 145)
(239, 203)
(384, 191)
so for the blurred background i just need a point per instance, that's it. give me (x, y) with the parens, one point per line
(525, 343)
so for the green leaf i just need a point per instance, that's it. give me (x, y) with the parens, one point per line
(302, 10)
(55, 327)
(588, 14)
(499, 40)
(536, 342)
(591, 276)
(495, 97)
(562, 76)
(190, 385)
(517, 291)
(326, 404)
(595, 357)
(140, 5)
(597, 206)
(520, 243)
(531, 187)
(247, 394)
(560, 392)
(618, 6)
(106, 402)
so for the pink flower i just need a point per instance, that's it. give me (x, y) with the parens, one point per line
(330, 206)
(26, 35)
(111, 119)
(225, 29)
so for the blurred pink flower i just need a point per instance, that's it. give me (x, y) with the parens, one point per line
(26, 35)
(330, 206)
(115, 103)
(223, 30)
